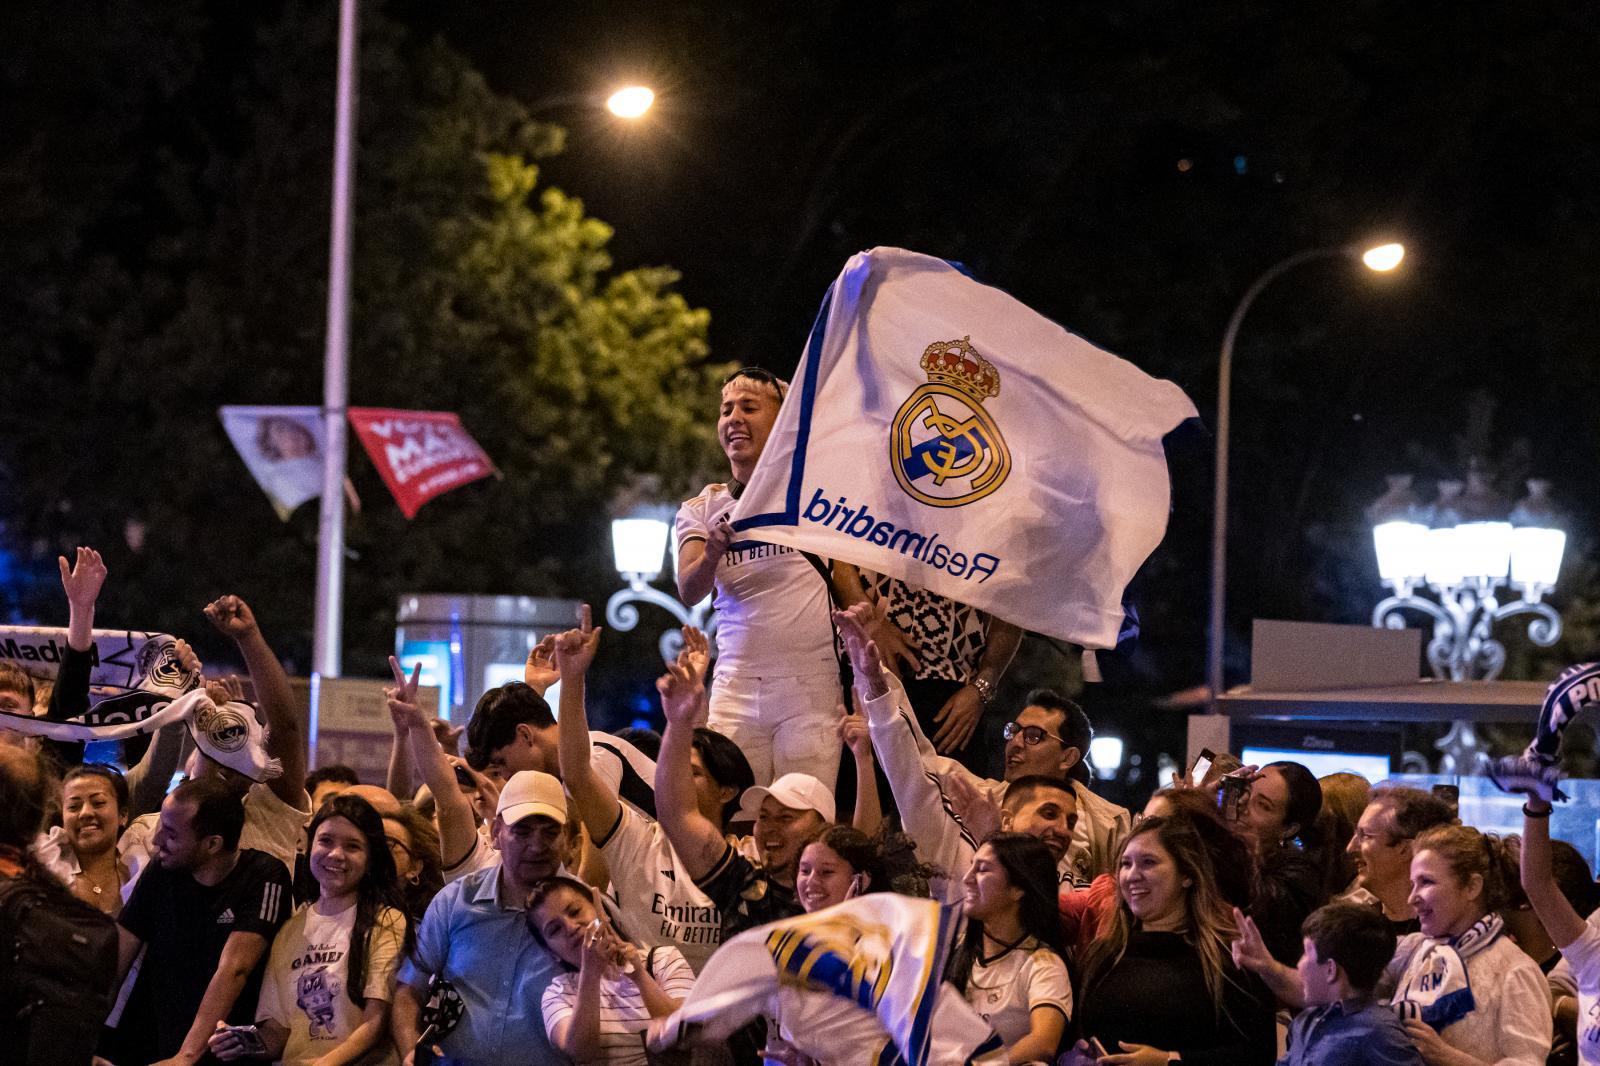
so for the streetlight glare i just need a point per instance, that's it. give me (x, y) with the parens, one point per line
(1383, 257)
(631, 102)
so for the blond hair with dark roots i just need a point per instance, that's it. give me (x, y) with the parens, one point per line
(1208, 917)
(1469, 853)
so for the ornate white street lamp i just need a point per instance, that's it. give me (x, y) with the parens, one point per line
(1463, 547)
(638, 548)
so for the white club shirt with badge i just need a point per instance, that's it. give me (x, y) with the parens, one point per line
(772, 604)
(655, 895)
(1007, 990)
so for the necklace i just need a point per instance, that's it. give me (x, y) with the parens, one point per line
(1005, 949)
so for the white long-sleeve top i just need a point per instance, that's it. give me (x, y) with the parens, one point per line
(1510, 1026)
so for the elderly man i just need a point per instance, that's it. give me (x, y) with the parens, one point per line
(475, 937)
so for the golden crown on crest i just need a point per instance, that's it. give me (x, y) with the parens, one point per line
(958, 363)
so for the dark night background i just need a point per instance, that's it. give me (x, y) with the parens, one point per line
(1126, 168)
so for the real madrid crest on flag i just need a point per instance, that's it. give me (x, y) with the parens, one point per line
(942, 433)
(947, 449)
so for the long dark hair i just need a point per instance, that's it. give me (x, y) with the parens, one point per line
(379, 888)
(543, 890)
(1030, 867)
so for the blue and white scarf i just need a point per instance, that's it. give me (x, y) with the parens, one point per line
(1435, 986)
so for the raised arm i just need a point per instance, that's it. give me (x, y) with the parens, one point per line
(1250, 953)
(70, 697)
(597, 805)
(697, 841)
(1560, 920)
(82, 583)
(458, 829)
(869, 807)
(900, 649)
(286, 739)
(918, 792)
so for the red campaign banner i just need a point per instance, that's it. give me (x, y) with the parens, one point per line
(421, 454)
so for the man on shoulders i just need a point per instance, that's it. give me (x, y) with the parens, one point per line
(206, 910)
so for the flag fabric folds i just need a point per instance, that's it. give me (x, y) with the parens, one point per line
(282, 447)
(140, 671)
(941, 432)
(883, 952)
(420, 454)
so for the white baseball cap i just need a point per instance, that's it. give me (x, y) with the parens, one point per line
(531, 792)
(798, 792)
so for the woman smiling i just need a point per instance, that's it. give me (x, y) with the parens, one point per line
(1467, 993)
(1167, 944)
(330, 977)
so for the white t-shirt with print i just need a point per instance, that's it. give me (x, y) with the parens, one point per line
(306, 985)
(772, 605)
(655, 895)
(1006, 991)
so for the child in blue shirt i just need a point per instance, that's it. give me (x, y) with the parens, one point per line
(1347, 947)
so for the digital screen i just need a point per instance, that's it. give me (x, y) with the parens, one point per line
(1373, 767)
(434, 657)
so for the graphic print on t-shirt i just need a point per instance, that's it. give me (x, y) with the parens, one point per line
(1591, 1026)
(317, 986)
(314, 992)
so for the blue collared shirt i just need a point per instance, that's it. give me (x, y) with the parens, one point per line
(1333, 1035)
(500, 970)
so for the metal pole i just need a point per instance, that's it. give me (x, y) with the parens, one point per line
(330, 528)
(1219, 503)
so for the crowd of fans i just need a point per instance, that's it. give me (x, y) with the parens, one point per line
(551, 894)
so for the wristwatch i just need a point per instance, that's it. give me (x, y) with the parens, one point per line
(986, 689)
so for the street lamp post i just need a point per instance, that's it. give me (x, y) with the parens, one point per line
(1464, 547)
(1380, 258)
(638, 546)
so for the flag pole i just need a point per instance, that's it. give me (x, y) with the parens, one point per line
(327, 647)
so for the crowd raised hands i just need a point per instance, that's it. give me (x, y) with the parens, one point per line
(558, 889)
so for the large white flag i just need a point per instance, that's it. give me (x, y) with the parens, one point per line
(883, 952)
(941, 432)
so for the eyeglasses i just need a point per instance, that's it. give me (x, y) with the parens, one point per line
(1388, 840)
(1031, 734)
(398, 849)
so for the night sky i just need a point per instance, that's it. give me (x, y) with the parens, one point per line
(1128, 169)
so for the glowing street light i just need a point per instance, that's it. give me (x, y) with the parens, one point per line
(631, 102)
(1383, 257)
(1464, 547)
(1379, 258)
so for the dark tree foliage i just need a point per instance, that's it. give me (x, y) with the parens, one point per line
(166, 252)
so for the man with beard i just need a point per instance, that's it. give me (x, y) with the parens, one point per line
(206, 910)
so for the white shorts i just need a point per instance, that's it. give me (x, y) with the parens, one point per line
(782, 724)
